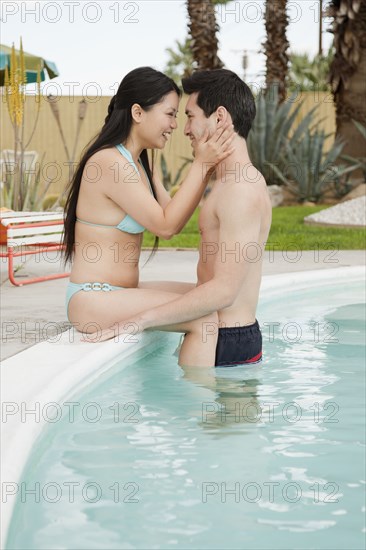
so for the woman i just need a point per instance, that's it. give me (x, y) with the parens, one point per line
(115, 195)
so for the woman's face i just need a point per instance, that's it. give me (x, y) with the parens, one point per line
(157, 124)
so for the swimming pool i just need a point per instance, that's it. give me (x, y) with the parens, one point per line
(272, 456)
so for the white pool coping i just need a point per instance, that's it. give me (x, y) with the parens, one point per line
(52, 372)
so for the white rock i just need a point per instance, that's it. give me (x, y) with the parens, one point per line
(351, 213)
(276, 195)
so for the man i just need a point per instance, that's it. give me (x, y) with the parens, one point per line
(234, 224)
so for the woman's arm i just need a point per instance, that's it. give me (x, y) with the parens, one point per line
(162, 194)
(133, 197)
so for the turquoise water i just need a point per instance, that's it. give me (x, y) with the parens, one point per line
(267, 457)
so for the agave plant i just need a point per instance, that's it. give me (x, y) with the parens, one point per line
(273, 126)
(311, 171)
(34, 191)
(168, 181)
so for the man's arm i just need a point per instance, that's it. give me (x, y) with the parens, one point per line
(239, 223)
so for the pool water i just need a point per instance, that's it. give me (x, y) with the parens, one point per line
(263, 457)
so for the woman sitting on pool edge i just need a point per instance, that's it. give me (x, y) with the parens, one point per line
(114, 196)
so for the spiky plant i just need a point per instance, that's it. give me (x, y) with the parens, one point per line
(273, 126)
(169, 180)
(311, 170)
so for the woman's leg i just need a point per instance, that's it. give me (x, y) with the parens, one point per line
(93, 311)
(190, 346)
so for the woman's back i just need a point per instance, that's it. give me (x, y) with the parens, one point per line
(107, 240)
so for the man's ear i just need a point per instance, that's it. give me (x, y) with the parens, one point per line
(221, 115)
(136, 112)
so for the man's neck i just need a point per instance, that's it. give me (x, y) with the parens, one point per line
(233, 167)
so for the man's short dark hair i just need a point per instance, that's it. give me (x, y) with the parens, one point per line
(221, 87)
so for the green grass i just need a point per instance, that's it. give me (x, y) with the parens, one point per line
(288, 231)
(188, 238)
(288, 227)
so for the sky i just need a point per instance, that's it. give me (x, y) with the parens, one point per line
(94, 44)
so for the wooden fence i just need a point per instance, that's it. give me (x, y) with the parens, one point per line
(47, 140)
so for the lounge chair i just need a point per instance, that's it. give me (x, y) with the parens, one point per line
(24, 233)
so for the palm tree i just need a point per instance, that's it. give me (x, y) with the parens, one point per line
(348, 71)
(180, 62)
(309, 73)
(203, 29)
(276, 46)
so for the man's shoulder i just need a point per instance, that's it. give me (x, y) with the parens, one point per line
(251, 175)
(240, 200)
(238, 194)
(242, 172)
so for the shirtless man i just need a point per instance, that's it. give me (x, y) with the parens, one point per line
(234, 224)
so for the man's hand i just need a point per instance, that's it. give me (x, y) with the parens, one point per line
(132, 326)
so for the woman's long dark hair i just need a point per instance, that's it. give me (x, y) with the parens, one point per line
(144, 86)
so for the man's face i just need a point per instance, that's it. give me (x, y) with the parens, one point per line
(197, 121)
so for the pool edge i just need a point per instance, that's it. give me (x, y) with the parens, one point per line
(44, 383)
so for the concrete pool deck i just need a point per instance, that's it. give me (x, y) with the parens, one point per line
(32, 313)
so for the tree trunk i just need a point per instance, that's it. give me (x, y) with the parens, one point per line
(276, 46)
(203, 28)
(348, 73)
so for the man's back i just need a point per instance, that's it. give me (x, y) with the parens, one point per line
(234, 224)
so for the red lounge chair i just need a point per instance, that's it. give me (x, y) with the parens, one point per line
(25, 233)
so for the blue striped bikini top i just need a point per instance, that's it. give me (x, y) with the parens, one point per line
(128, 224)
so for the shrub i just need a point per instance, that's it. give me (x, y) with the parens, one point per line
(273, 127)
(310, 171)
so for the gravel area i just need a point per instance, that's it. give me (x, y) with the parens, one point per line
(351, 213)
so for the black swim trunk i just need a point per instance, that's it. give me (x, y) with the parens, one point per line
(239, 345)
